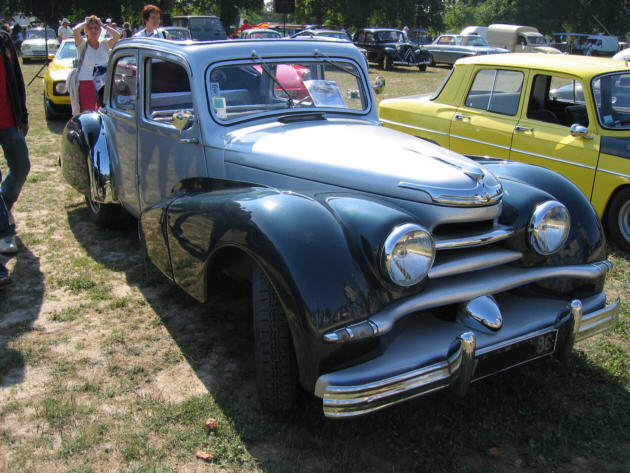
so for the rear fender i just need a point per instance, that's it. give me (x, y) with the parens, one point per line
(84, 159)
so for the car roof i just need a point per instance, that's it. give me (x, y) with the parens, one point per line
(561, 63)
(203, 52)
(379, 29)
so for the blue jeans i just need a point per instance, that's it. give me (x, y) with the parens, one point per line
(16, 154)
(5, 229)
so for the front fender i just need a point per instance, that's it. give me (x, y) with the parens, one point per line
(84, 159)
(319, 254)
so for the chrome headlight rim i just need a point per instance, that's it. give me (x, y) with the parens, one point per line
(404, 234)
(538, 224)
(60, 88)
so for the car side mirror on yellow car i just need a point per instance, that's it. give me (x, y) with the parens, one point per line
(580, 130)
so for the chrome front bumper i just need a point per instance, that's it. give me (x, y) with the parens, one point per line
(392, 377)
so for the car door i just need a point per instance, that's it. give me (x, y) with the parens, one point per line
(121, 122)
(484, 123)
(166, 155)
(543, 134)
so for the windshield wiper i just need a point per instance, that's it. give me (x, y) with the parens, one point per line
(337, 66)
(273, 77)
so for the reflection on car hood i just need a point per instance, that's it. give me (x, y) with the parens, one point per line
(378, 160)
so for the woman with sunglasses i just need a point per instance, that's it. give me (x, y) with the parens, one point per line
(93, 50)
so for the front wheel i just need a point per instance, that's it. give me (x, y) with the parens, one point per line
(276, 366)
(104, 215)
(387, 63)
(618, 219)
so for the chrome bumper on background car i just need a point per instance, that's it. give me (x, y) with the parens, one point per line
(453, 355)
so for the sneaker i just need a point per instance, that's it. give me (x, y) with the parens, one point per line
(7, 245)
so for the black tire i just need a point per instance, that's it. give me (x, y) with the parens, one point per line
(103, 215)
(276, 367)
(618, 219)
(48, 111)
(432, 63)
(422, 67)
(387, 63)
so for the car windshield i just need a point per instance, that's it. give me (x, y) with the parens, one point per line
(39, 34)
(255, 88)
(612, 98)
(472, 40)
(390, 36)
(178, 34)
(68, 50)
(262, 34)
(334, 34)
(537, 40)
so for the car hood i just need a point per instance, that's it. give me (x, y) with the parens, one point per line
(40, 42)
(376, 160)
(59, 69)
(547, 50)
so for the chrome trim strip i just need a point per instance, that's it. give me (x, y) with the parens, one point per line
(599, 321)
(553, 159)
(350, 401)
(465, 138)
(405, 125)
(439, 292)
(474, 240)
(614, 172)
(486, 257)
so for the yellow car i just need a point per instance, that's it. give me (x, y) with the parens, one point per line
(567, 113)
(56, 98)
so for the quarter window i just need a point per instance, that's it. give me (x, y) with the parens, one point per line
(496, 90)
(169, 90)
(124, 86)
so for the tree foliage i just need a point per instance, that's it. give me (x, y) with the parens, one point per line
(437, 16)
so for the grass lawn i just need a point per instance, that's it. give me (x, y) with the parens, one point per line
(104, 367)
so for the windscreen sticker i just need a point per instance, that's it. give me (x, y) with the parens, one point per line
(325, 93)
(219, 107)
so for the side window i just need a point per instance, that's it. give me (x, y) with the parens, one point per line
(124, 85)
(169, 89)
(556, 99)
(497, 91)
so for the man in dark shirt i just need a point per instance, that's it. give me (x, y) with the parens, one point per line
(13, 129)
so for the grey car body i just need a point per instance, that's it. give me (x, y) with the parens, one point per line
(448, 48)
(382, 267)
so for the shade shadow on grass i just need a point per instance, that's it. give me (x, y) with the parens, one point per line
(20, 304)
(546, 417)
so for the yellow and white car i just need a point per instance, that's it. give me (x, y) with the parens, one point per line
(34, 46)
(56, 98)
(567, 113)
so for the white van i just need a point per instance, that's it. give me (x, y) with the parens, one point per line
(519, 39)
(479, 30)
(602, 45)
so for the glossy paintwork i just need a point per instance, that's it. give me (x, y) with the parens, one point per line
(311, 198)
(57, 71)
(446, 49)
(598, 173)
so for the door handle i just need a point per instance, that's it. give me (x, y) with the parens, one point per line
(522, 129)
(191, 141)
(459, 116)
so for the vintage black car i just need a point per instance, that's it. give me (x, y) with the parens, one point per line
(388, 47)
(381, 267)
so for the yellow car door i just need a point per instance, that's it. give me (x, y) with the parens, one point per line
(484, 123)
(557, 129)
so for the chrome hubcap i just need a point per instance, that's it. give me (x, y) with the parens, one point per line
(623, 220)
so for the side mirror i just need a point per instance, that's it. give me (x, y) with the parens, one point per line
(379, 84)
(580, 130)
(182, 120)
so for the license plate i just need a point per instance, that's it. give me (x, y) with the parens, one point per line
(516, 354)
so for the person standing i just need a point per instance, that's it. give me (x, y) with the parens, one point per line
(93, 51)
(64, 31)
(127, 32)
(13, 129)
(151, 17)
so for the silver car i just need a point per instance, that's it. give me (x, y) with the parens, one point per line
(381, 267)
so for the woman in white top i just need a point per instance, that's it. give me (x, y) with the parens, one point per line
(151, 17)
(96, 52)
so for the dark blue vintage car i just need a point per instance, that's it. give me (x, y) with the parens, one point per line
(381, 267)
(388, 47)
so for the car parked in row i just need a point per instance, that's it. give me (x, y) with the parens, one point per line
(35, 45)
(567, 113)
(448, 48)
(381, 267)
(260, 33)
(56, 97)
(388, 47)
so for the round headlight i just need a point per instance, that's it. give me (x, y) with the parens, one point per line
(407, 254)
(60, 88)
(549, 227)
